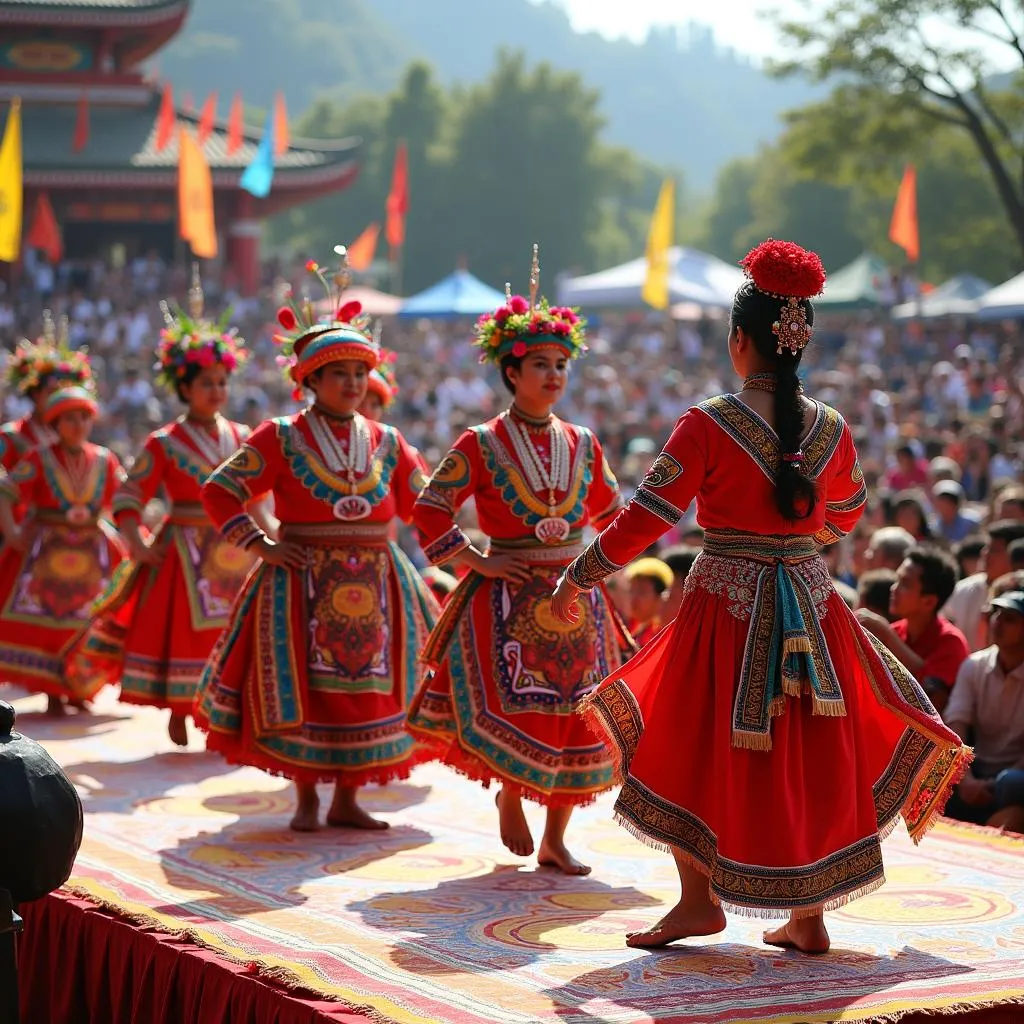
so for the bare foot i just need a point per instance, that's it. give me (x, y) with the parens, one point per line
(807, 934)
(555, 855)
(346, 813)
(177, 729)
(683, 921)
(512, 823)
(81, 706)
(307, 813)
(55, 707)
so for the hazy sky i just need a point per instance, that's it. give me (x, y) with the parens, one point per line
(736, 23)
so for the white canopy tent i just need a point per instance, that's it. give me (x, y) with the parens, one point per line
(695, 277)
(1004, 302)
(956, 297)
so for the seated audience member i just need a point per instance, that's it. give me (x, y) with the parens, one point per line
(929, 645)
(650, 580)
(986, 709)
(679, 559)
(909, 513)
(971, 595)
(873, 591)
(954, 522)
(1016, 553)
(968, 555)
(909, 471)
(1009, 504)
(692, 537)
(887, 548)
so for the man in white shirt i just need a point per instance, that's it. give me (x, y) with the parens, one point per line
(986, 709)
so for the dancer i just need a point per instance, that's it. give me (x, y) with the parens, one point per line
(381, 387)
(56, 563)
(155, 626)
(764, 739)
(312, 677)
(500, 706)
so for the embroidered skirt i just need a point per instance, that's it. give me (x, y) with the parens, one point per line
(500, 706)
(46, 596)
(155, 626)
(792, 820)
(312, 678)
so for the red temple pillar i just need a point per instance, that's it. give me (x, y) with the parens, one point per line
(244, 253)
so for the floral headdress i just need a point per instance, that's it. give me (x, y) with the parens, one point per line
(189, 340)
(786, 271)
(309, 343)
(49, 357)
(383, 382)
(523, 324)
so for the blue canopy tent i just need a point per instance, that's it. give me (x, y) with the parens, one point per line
(956, 297)
(459, 294)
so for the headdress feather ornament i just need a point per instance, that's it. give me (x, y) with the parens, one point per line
(48, 357)
(188, 340)
(786, 271)
(307, 343)
(522, 324)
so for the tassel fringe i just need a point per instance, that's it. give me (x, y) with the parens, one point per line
(829, 708)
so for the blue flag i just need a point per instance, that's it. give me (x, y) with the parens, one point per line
(259, 175)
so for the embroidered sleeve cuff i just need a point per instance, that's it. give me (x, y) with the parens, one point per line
(591, 567)
(829, 534)
(657, 505)
(851, 504)
(127, 502)
(447, 546)
(241, 531)
(225, 480)
(435, 497)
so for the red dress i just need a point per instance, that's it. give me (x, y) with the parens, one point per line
(312, 676)
(764, 734)
(500, 705)
(155, 626)
(17, 439)
(47, 590)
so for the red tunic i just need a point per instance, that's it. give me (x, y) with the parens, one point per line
(500, 706)
(312, 677)
(47, 590)
(763, 733)
(155, 626)
(17, 439)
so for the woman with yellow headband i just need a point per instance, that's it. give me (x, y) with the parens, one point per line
(61, 558)
(155, 626)
(499, 707)
(313, 674)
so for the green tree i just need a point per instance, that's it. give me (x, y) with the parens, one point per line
(923, 61)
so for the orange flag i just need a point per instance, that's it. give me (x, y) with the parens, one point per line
(903, 226)
(281, 139)
(362, 250)
(398, 199)
(195, 198)
(45, 232)
(207, 117)
(235, 125)
(81, 137)
(165, 119)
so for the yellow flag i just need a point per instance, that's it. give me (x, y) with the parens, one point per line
(195, 198)
(659, 240)
(11, 186)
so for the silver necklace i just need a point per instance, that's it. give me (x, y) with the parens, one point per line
(215, 452)
(542, 479)
(349, 465)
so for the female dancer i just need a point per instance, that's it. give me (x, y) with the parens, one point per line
(312, 677)
(500, 706)
(381, 388)
(54, 566)
(764, 739)
(158, 621)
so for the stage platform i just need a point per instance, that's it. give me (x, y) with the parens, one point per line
(189, 882)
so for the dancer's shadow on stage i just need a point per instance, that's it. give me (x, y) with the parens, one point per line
(498, 921)
(676, 982)
(73, 725)
(121, 787)
(256, 863)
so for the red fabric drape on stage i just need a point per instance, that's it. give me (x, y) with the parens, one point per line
(79, 963)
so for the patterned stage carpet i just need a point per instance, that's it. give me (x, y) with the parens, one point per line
(435, 922)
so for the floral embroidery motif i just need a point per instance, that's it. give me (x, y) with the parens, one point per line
(663, 471)
(448, 479)
(857, 474)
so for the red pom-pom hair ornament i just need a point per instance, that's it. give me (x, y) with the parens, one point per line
(784, 270)
(349, 311)
(287, 319)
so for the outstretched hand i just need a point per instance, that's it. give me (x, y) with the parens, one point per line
(564, 601)
(282, 553)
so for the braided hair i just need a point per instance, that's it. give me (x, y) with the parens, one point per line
(773, 308)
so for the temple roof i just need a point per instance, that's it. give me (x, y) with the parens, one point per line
(86, 11)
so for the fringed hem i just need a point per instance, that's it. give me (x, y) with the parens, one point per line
(355, 778)
(955, 773)
(744, 910)
(594, 719)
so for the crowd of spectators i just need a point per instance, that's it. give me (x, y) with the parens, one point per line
(937, 411)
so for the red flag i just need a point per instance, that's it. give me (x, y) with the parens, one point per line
(45, 232)
(81, 136)
(903, 226)
(398, 199)
(361, 251)
(165, 119)
(281, 140)
(207, 117)
(235, 125)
